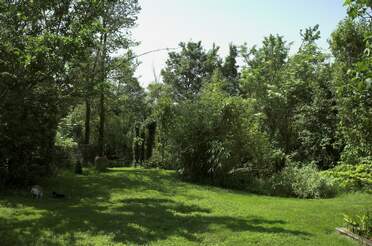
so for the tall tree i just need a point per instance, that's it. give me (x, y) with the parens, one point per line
(116, 18)
(187, 70)
(311, 95)
(125, 105)
(262, 79)
(230, 71)
(41, 43)
(351, 46)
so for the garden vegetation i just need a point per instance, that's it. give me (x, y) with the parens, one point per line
(282, 123)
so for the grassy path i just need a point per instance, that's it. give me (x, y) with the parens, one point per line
(152, 207)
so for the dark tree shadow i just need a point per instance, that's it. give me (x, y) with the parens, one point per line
(132, 221)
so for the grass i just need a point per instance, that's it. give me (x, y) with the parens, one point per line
(127, 206)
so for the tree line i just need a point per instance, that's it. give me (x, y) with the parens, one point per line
(66, 92)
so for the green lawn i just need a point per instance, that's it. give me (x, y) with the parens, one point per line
(152, 207)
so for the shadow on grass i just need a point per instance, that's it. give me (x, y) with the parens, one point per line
(131, 220)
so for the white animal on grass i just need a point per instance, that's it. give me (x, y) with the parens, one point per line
(37, 191)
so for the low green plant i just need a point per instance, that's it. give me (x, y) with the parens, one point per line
(162, 161)
(352, 177)
(360, 224)
(295, 180)
(303, 181)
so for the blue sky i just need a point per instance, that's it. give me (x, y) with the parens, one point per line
(165, 23)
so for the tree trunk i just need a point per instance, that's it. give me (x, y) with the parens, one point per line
(85, 147)
(87, 121)
(136, 146)
(101, 134)
(101, 123)
(142, 147)
(150, 140)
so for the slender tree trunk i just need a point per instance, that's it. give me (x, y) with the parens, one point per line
(89, 88)
(142, 147)
(150, 140)
(136, 146)
(101, 133)
(85, 148)
(87, 121)
(101, 124)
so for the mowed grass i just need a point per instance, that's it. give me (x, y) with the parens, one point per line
(130, 206)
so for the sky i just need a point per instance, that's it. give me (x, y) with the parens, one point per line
(166, 23)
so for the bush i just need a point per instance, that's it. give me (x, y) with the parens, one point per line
(245, 179)
(217, 134)
(125, 162)
(352, 177)
(157, 161)
(360, 224)
(302, 181)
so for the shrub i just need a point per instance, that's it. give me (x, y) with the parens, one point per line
(157, 161)
(302, 181)
(360, 224)
(217, 134)
(352, 177)
(245, 179)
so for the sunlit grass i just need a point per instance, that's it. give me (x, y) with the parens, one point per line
(152, 207)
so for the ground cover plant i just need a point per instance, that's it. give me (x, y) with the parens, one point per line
(360, 224)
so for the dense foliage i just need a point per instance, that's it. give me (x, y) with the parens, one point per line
(360, 224)
(271, 125)
(351, 177)
(44, 46)
(302, 181)
(219, 134)
(40, 45)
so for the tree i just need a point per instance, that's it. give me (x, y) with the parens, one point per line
(359, 8)
(216, 134)
(41, 42)
(229, 70)
(262, 79)
(163, 109)
(115, 18)
(310, 92)
(187, 70)
(125, 105)
(351, 46)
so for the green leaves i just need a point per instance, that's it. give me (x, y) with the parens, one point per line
(350, 45)
(360, 223)
(216, 133)
(187, 71)
(352, 177)
(358, 8)
(44, 44)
